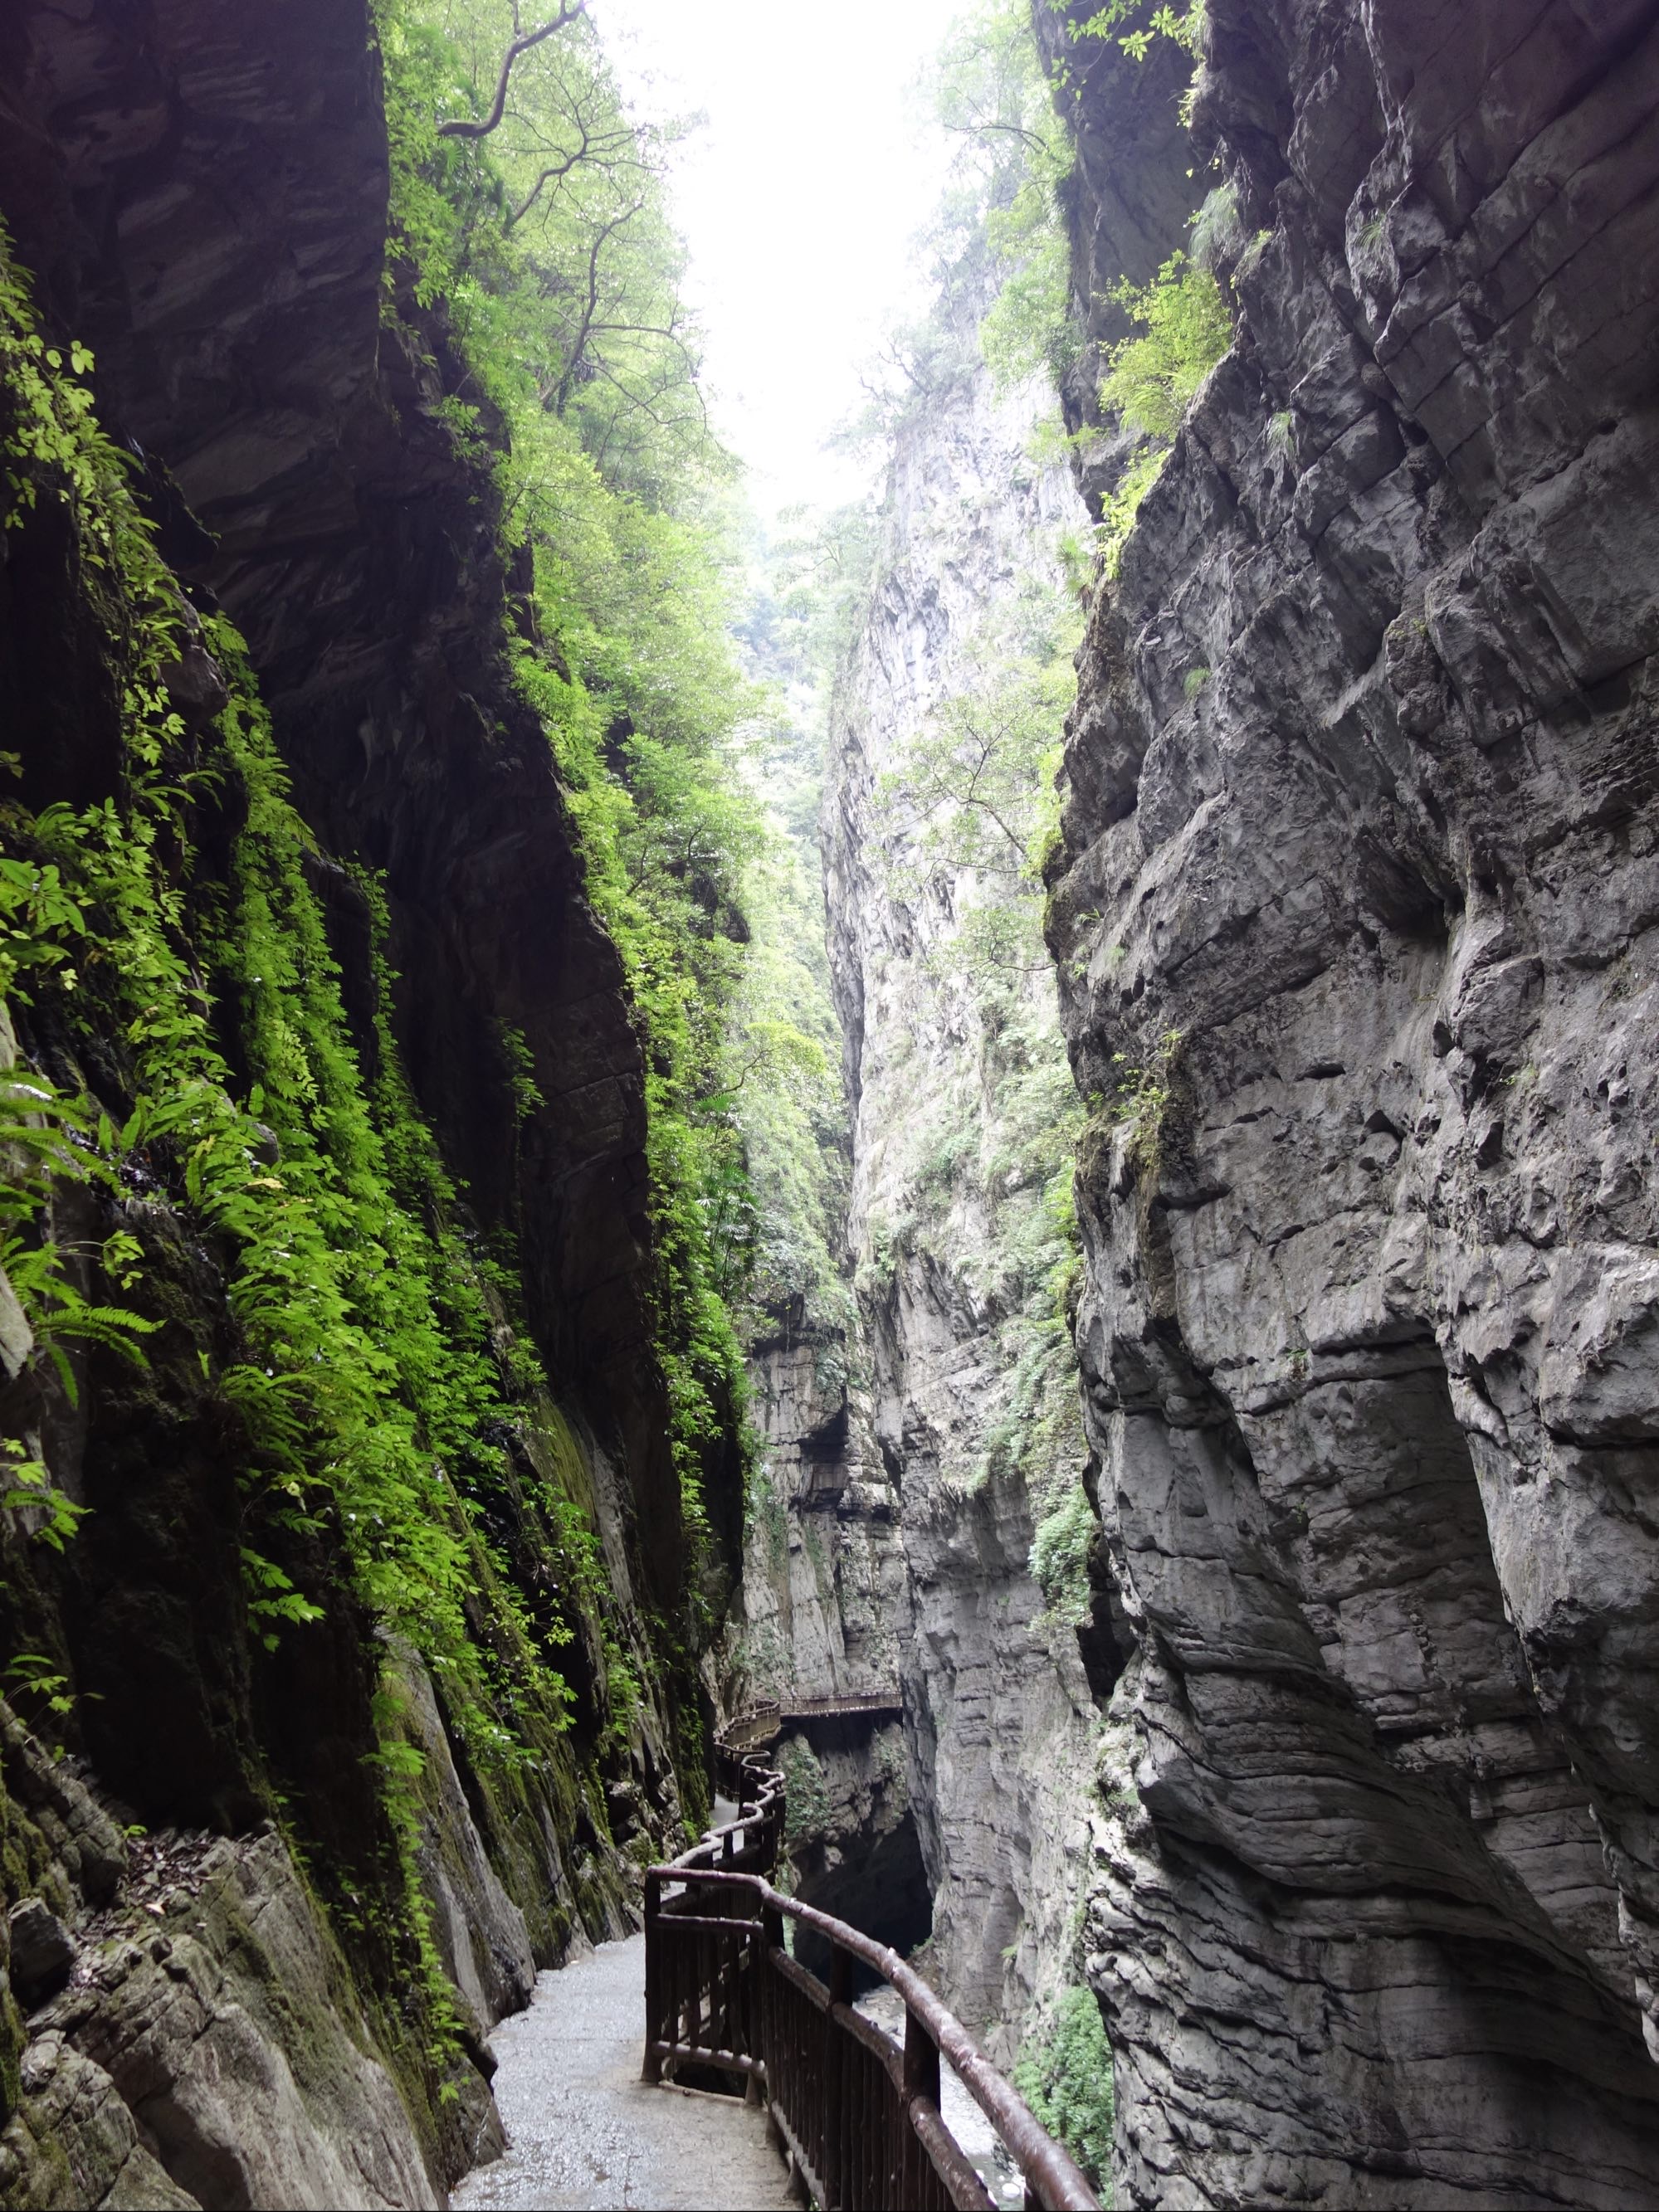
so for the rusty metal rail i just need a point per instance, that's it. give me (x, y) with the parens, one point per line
(859, 2115)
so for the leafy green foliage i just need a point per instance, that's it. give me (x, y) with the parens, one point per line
(1184, 25)
(367, 1387)
(36, 1686)
(549, 244)
(1151, 379)
(47, 1138)
(994, 93)
(1064, 2072)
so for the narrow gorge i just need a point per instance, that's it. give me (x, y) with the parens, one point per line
(994, 1138)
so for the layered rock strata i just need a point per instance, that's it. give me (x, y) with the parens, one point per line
(1358, 871)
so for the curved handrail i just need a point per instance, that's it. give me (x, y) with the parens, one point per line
(1040, 2158)
(714, 1863)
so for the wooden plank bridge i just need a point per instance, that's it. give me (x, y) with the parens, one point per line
(856, 2114)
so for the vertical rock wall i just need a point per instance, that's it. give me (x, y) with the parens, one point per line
(892, 1552)
(199, 191)
(1362, 802)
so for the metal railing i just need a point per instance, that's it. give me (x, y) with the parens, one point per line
(857, 2113)
(758, 1722)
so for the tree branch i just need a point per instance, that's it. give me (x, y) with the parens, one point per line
(548, 176)
(567, 14)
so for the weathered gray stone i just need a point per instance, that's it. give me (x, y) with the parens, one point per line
(42, 1950)
(895, 1553)
(16, 1337)
(481, 1931)
(203, 2045)
(1371, 1308)
(75, 2142)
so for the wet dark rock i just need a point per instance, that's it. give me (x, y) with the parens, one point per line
(42, 1950)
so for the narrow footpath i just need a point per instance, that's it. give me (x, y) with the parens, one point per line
(584, 2131)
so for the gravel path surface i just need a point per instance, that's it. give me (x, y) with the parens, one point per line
(585, 2130)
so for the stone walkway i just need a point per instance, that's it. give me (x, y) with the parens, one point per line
(585, 2130)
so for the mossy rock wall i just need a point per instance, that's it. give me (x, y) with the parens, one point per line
(362, 1680)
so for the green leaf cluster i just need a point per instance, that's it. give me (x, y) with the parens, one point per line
(1151, 379)
(1064, 2072)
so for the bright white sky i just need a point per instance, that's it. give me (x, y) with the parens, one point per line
(799, 199)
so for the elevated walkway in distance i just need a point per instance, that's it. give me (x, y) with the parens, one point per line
(764, 1719)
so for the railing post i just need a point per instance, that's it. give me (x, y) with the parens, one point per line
(652, 2070)
(921, 2080)
(833, 2168)
(770, 2039)
(921, 2060)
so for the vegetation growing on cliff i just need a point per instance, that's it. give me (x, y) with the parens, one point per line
(1064, 2073)
(549, 245)
(996, 93)
(977, 1173)
(190, 1066)
(785, 1071)
(1152, 378)
(1015, 155)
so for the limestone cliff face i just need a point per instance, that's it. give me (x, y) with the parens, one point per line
(1362, 803)
(898, 1544)
(199, 190)
(824, 1592)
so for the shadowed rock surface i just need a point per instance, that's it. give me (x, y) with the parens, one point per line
(1361, 803)
(198, 190)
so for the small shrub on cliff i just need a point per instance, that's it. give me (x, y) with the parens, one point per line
(1151, 379)
(1064, 2074)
